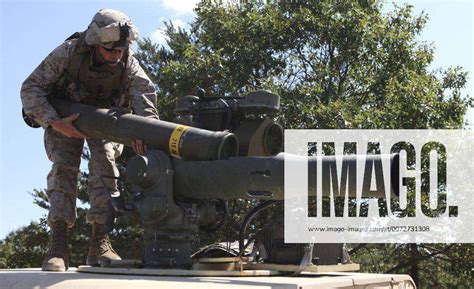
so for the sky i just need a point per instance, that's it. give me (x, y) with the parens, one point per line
(30, 30)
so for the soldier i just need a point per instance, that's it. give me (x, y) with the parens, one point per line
(95, 67)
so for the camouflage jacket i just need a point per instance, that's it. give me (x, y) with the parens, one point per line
(42, 81)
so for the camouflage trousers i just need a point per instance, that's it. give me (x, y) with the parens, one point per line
(65, 153)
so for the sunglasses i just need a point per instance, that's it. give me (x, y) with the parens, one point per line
(114, 49)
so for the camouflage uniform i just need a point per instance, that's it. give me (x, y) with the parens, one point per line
(50, 78)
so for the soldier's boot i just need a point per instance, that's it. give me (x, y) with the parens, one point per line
(57, 257)
(100, 249)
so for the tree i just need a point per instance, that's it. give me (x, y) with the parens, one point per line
(24, 247)
(341, 64)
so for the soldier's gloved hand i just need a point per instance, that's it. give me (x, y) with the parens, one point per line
(65, 126)
(139, 147)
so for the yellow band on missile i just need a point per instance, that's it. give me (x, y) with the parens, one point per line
(175, 140)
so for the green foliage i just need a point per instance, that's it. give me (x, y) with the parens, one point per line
(24, 247)
(430, 265)
(338, 64)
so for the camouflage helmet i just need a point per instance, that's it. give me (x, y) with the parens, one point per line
(111, 29)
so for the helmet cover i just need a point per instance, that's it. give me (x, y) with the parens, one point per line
(111, 29)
